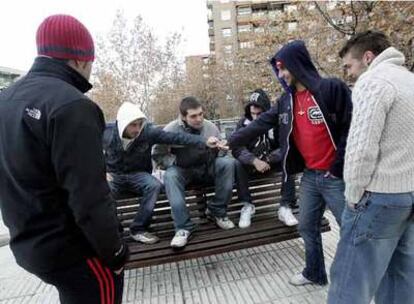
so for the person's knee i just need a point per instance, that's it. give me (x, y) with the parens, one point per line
(172, 175)
(225, 163)
(154, 185)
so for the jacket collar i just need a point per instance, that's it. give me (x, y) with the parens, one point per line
(389, 56)
(51, 67)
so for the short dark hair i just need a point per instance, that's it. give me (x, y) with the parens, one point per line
(373, 41)
(188, 103)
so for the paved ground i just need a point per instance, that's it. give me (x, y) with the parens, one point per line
(255, 275)
(4, 233)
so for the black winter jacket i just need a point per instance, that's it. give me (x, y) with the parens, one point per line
(54, 196)
(262, 146)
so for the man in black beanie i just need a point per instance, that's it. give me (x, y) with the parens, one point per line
(257, 158)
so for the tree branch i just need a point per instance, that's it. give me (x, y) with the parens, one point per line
(329, 20)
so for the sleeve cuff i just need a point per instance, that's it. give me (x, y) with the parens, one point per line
(353, 194)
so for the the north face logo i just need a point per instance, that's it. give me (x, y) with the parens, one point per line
(34, 113)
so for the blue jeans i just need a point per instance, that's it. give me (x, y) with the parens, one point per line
(140, 183)
(375, 255)
(176, 178)
(244, 172)
(316, 193)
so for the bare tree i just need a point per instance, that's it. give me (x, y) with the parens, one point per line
(133, 62)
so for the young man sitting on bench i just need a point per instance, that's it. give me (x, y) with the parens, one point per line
(199, 165)
(257, 158)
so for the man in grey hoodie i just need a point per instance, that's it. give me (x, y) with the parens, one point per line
(186, 165)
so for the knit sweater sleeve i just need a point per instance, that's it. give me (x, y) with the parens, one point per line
(372, 98)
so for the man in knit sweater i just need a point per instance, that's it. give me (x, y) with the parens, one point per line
(375, 255)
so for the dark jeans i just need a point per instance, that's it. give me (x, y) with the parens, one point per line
(139, 183)
(244, 172)
(88, 282)
(176, 178)
(317, 192)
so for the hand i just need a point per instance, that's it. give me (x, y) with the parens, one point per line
(212, 142)
(222, 145)
(329, 174)
(260, 165)
(119, 271)
(109, 177)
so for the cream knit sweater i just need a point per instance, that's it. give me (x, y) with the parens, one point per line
(380, 149)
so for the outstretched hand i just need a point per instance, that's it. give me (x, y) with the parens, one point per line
(214, 142)
(260, 165)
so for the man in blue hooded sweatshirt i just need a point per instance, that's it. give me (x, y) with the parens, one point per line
(312, 120)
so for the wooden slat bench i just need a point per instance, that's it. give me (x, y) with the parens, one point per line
(207, 239)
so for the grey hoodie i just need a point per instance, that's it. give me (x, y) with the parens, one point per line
(186, 156)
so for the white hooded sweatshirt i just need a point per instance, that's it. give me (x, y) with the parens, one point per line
(127, 113)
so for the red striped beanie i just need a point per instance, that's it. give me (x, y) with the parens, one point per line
(64, 37)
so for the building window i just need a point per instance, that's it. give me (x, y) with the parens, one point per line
(210, 14)
(243, 11)
(259, 29)
(291, 8)
(259, 14)
(226, 32)
(331, 5)
(244, 28)
(292, 26)
(228, 48)
(275, 13)
(225, 15)
(246, 44)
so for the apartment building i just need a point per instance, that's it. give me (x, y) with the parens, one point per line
(8, 75)
(232, 23)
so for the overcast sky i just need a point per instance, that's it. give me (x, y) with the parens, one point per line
(19, 20)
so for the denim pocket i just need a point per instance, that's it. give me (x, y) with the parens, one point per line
(383, 216)
(361, 205)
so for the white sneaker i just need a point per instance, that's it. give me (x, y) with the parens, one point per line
(246, 214)
(145, 237)
(222, 222)
(286, 216)
(180, 238)
(299, 280)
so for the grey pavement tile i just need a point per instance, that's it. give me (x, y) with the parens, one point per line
(252, 275)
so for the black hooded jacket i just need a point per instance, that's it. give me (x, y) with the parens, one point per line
(54, 196)
(331, 95)
(262, 146)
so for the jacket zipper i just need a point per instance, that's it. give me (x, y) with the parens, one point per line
(326, 124)
(290, 131)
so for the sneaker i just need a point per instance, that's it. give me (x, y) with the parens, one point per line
(299, 280)
(286, 216)
(145, 237)
(180, 238)
(222, 222)
(246, 214)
